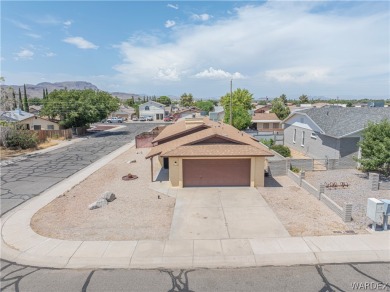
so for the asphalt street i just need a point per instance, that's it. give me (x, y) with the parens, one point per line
(24, 179)
(323, 278)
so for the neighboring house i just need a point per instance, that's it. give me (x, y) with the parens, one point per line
(200, 152)
(35, 109)
(266, 122)
(260, 109)
(121, 114)
(330, 132)
(218, 114)
(187, 113)
(152, 109)
(28, 121)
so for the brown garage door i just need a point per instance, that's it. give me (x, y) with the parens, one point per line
(216, 172)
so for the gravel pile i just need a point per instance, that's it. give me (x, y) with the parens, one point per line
(357, 193)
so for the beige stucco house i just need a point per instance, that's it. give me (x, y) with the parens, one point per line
(203, 153)
(29, 121)
(266, 122)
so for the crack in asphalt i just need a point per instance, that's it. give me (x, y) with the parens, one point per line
(328, 286)
(178, 283)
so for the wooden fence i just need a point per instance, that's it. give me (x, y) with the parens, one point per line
(53, 134)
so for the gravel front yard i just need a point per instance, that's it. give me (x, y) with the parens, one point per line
(137, 213)
(300, 212)
(356, 193)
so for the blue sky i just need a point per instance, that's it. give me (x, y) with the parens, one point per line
(333, 48)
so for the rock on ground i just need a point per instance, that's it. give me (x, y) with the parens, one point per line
(109, 196)
(98, 204)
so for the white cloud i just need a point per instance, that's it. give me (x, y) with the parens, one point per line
(67, 23)
(50, 54)
(173, 6)
(170, 23)
(80, 42)
(21, 25)
(275, 45)
(169, 74)
(212, 73)
(24, 54)
(299, 74)
(201, 17)
(34, 35)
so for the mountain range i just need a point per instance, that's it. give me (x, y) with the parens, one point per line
(37, 90)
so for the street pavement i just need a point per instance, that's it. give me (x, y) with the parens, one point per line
(27, 178)
(341, 277)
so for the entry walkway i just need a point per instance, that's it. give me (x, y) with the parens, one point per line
(20, 244)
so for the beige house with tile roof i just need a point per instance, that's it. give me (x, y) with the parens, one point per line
(266, 122)
(201, 152)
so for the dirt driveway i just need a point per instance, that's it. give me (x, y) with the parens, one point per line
(219, 213)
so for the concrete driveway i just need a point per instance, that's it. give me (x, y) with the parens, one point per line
(219, 213)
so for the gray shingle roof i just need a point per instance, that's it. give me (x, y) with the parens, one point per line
(340, 121)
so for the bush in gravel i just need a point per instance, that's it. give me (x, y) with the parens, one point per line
(282, 150)
(20, 139)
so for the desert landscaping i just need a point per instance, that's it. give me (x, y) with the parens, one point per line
(136, 213)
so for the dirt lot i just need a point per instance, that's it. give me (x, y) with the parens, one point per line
(137, 213)
(300, 212)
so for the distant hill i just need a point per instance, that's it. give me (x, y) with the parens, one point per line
(37, 90)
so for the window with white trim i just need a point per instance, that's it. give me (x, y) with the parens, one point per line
(303, 139)
(295, 135)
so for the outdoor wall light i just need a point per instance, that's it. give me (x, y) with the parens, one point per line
(175, 163)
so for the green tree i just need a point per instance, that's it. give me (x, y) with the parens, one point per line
(186, 100)
(241, 104)
(165, 100)
(240, 97)
(206, 106)
(25, 101)
(20, 100)
(43, 94)
(375, 154)
(349, 104)
(304, 98)
(283, 98)
(280, 109)
(241, 118)
(14, 103)
(35, 101)
(77, 108)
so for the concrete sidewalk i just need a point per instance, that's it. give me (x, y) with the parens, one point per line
(22, 245)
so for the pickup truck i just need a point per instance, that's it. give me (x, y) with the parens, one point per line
(114, 120)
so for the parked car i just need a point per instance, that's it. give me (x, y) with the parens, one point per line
(168, 119)
(142, 119)
(134, 119)
(149, 118)
(114, 120)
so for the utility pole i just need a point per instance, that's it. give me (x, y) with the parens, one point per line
(231, 102)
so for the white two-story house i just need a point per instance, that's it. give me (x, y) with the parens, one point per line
(152, 109)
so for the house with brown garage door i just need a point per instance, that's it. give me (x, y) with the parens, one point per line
(203, 153)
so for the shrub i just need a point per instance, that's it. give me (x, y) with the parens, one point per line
(282, 150)
(269, 143)
(294, 169)
(21, 139)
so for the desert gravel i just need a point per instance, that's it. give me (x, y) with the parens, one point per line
(357, 193)
(137, 213)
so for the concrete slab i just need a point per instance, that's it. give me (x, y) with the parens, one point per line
(179, 248)
(65, 249)
(45, 247)
(207, 248)
(198, 223)
(120, 249)
(91, 262)
(177, 262)
(253, 222)
(220, 213)
(149, 249)
(236, 247)
(91, 249)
